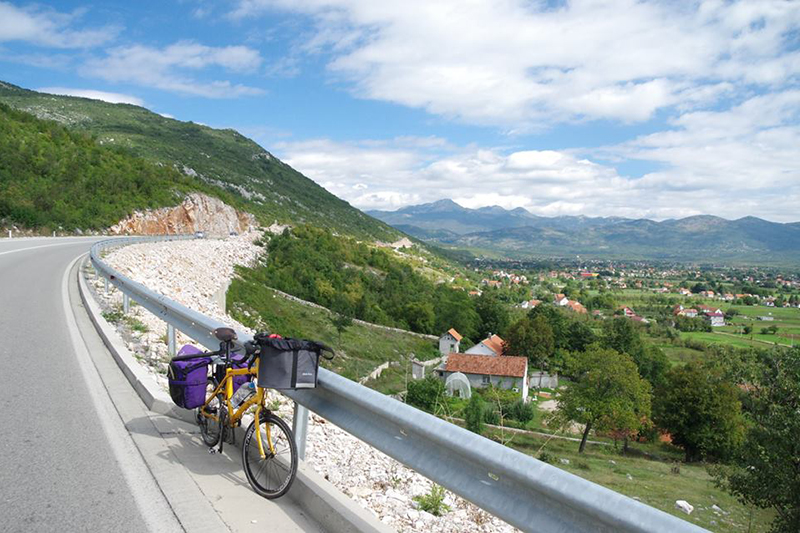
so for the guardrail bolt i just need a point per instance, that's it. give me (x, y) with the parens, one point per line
(171, 340)
(300, 429)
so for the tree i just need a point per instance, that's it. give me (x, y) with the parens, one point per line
(701, 411)
(579, 336)
(766, 470)
(455, 309)
(420, 316)
(607, 394)
(622, 335)
(473, 414)
(531, 338)
(556, 319)
(425, 393)
(341, 323)
(494, 315)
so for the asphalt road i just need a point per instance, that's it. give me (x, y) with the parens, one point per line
(62, 465)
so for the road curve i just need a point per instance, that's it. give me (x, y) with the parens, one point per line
(60, 471)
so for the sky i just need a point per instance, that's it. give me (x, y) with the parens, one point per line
(655, 109)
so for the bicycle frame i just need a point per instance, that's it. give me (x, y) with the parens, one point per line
(258, 398)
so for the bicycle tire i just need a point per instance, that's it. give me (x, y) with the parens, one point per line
(270, 477)
(211, 430)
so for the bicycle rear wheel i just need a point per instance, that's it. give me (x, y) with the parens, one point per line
(211, 417)
(271, 475)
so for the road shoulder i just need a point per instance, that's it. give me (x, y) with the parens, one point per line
(206, 493)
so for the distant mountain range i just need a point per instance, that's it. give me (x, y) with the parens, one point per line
(519, 233)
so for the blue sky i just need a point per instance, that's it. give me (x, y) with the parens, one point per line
(624, 108)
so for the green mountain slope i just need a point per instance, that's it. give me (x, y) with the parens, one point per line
(52, 177)
(267, 187)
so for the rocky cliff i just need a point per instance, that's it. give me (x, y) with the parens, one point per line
(197, 212)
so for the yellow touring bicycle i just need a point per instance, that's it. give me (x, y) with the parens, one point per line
(231, 392)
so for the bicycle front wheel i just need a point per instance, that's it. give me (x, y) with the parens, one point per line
(271, 473)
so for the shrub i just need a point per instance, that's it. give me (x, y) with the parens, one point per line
(433, 502)
(425, 393)
(521, 411)
(473, 414)
(491, 416)
(546, 457)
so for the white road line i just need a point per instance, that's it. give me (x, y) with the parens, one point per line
(152, 505)
(40, 246)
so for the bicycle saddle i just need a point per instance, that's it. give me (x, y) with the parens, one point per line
(225, 334)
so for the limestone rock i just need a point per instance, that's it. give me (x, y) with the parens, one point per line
(683, 505)
(197, 212)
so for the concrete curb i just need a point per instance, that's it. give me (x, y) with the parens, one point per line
(323, 502)
(154, 398)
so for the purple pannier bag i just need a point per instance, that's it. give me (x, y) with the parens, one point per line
(239, 362)
(187, 378)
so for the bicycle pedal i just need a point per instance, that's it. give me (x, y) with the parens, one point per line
(212, 451)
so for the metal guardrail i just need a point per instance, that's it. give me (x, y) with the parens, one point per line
(515, 487)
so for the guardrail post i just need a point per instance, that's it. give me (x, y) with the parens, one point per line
(126, 303)
(171, 340)
(300, 429)
(106, 289)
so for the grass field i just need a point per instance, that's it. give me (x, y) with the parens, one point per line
(679, 355)
(651, 479)
(716, 338)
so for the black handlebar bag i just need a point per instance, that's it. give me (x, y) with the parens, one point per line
(288, 364)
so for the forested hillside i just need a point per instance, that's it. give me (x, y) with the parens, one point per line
(224, 159)
(52, 177)
(364, 282)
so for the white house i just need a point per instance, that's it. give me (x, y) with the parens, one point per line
(560, 300)
(716, 319)
(449, 342)
(529, 304)
(492, 345)
(506, 372)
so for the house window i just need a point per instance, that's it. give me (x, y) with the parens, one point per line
(486, 380)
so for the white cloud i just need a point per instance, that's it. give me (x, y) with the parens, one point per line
(730, 177)
(744, 160)
(47, 27)
(523, 65)
(166, 68)
(114, 98)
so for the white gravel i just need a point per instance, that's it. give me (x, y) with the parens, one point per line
(192, 272)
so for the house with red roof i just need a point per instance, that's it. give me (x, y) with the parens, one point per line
(449, 342)
(716, 319)
(714, 315)
(576, 306)
(560, 300)
(680, 310)
(491, 345)
(529, 304)
(504, 372)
